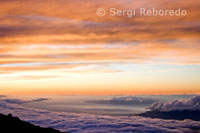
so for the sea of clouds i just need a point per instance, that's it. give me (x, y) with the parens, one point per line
(89, 123)
(180, 105)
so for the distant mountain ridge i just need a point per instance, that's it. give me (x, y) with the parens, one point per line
(9, 124)
(176, 115)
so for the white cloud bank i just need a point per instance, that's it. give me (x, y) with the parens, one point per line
(126, 100)
(72, 122)
(190, 104)
(19, 101)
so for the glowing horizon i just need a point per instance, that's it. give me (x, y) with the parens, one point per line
(63, 47)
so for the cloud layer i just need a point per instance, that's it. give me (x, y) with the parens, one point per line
(52, 31)
(190, 104)
(87, 123)
(126, 100)
(57, 40)
(19, 101)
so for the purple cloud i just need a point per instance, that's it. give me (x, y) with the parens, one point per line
(190, 104)
(126, 100)
(73, 122)
(19, 101)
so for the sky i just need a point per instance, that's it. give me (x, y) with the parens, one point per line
(63, 47)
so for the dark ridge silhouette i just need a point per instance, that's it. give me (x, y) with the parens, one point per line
(9, 124)
(176, 115)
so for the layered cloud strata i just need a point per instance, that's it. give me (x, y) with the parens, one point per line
(58, 40)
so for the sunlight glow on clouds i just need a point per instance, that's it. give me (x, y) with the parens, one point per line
(51, 37)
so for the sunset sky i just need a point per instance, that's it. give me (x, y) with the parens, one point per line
(63, 47)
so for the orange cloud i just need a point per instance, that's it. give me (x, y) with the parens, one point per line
(53, 35)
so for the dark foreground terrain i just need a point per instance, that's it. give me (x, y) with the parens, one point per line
(9, 124)
(176, 115)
